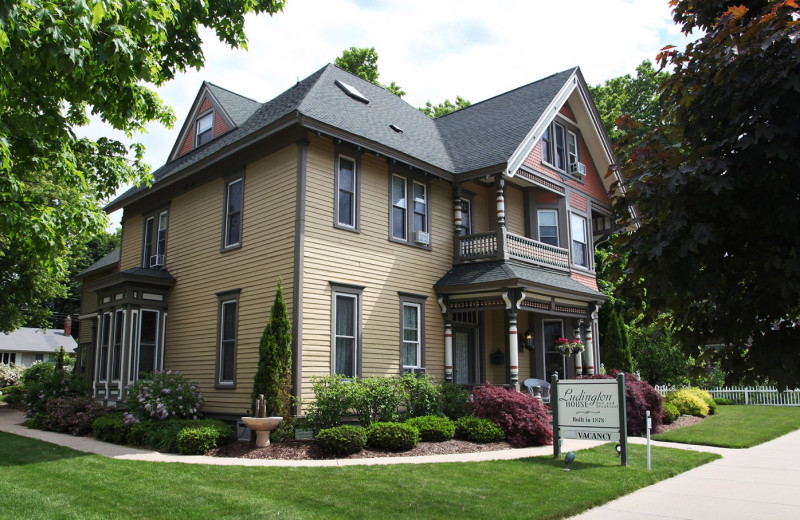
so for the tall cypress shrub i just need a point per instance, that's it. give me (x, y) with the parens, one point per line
(617, 350)
(274, 375)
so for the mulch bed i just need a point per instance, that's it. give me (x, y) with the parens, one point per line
(683, 420)
(308, 450)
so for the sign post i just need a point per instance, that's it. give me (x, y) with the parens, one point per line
(591, 409)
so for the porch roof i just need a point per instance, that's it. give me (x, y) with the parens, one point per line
(488, 275)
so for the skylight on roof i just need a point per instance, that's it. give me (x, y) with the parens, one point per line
(351, 91)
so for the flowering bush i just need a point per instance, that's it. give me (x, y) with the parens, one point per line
(56, 384)
(566, 347)
(73, 415)
(162, 396)
(524, 420)
(10, 375)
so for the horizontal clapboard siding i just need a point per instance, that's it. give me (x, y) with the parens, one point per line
(130, 253)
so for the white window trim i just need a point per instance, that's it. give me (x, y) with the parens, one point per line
(586, 259)
(552, 144)
(355, 336)
(425, 202)
(204, 117)
(409, 181)
(539, 225)
(572, 138)
(418, 340)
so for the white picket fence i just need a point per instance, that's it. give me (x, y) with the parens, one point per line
(760, 395)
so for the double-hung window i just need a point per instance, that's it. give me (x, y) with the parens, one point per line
(234, 192)
(8, 358)
(547, 146)
(548, 226)
(572, 148)
(205, 129)
(346, 193)
(559, 156)
(227, 339)
(116, 352)
(580, 242)
(154, 246)
(346, 330)
(559, 147)
(466, 217)
(412, 320)
(105, 340)
(148, 340)
(409, 224)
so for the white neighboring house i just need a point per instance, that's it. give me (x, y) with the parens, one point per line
(27, 345)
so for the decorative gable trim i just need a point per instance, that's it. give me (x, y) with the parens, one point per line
(204, 103)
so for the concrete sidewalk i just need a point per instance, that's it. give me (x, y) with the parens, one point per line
(762, 482)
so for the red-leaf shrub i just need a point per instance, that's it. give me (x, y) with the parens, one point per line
(73, 415)
(639, 397)
(525, 420)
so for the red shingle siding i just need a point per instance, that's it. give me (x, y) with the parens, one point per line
(219, 125)
(578, 201)
(566, 110)
(188, 143)
(534, 160)
(204, 106)
(585, 280)
(546, 197)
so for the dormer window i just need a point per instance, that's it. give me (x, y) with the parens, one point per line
(560, 149)
(205, 129)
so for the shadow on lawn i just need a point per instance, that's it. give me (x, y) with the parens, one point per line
(18, 451)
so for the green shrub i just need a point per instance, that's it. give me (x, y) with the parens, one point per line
(453, 401)
(165, 435)
(37, 373)
(54, 385)
(671, 413)
(377, 399)
(478, 429)
(688, 403)
(341, 441)
(333, 399)
(74, 415)
(111, 428)
(422, 396)
(161, 396)
(706, 397)
(285, 430)
(196, 440)
(14, 394)
(433, 428)
(721, 401)
(392, 436)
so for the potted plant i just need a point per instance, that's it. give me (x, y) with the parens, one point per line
(566, 347)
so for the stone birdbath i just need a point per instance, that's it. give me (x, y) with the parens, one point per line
(261, 424)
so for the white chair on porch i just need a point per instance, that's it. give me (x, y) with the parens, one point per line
(532, 383)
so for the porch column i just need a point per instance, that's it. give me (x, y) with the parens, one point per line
(513, 351)
(578, 356)
(458, 217)
(589, 349)
(501, 203)
(448, 351)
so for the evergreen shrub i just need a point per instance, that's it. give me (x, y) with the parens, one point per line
(433, 428)
(111, 428)
(197, 437)
(525, 420)
(341, 441)
(721, 401)
(706, 397)
(453, 401)
(478, 429)
(422, 397)
(377, 399)
(392, 436)
(671, 413)
(688, 403)
(333, 399)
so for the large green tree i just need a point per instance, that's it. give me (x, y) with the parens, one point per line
(634, 98)
(60, 62)
(716, 193)
(444, 107)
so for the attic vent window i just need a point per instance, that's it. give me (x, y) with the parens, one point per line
(396, 129)
(351, 91)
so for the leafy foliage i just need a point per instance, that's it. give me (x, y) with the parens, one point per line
(59, 60)
(341, 440)
(111, 428)
(74, 415)
(454, 401)
(392, 436)
(688, 403)
(478, 429)
(333, 398)
(657, 359)
(274, 375)
(524, 420)
(444, 107)
(38, 372)
(715, 190)
(363, 62)
(639, 398)
(421, 396)
(433, 428)
(617, 353)
(51, 385)
(706, 397)
(161, 396)
(10, 375)
(196, 439)
(671, 413)
(377, 399)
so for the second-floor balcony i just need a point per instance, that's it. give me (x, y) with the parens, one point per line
(502, 245)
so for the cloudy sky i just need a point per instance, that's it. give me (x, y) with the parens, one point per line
(434, 49)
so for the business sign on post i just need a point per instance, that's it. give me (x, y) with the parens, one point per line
(589, 409)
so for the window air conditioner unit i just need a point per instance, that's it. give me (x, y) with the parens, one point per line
(415, 371)
(577, 169)
(157, 261)
(422, 237)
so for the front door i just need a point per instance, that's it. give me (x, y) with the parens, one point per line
(553, 361)
(465, 357)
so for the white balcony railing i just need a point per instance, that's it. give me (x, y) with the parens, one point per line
(487, 246)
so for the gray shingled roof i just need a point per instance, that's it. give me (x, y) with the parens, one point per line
(487, 133)
(512, 274)
(482, 135)
(27, 339)
(238, 107)
(107, 261)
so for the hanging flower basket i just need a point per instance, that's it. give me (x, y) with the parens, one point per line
(566, 347)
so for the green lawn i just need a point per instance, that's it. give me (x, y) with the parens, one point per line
(738, 426)
(41, 480)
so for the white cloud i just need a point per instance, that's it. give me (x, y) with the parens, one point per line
(434, 49)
